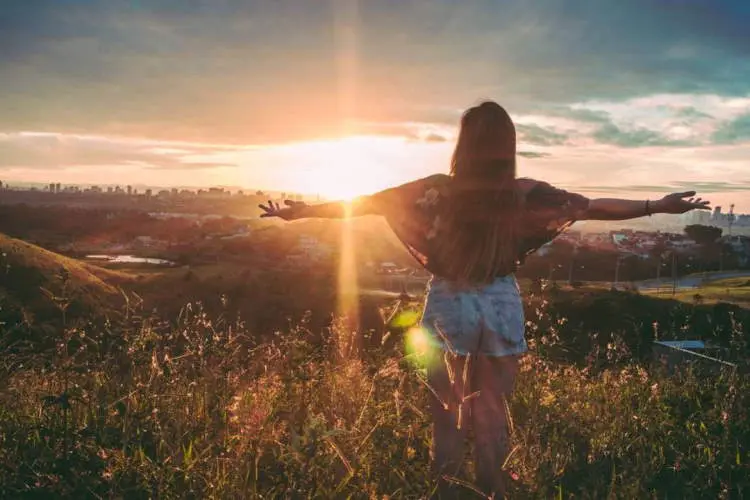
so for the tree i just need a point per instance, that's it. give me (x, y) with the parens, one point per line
(657, 253)
(708, 238)
(703, 235)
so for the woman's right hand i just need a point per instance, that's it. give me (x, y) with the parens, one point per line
(676, 203)
(290, 212)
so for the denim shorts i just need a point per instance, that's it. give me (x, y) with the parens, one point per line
(487, 319)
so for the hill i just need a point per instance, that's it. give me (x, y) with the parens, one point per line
(35, 283)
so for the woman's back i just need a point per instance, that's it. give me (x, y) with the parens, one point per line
(417, 212)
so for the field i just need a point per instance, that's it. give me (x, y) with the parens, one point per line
(732, 290)
(197, 404)
(199, 410)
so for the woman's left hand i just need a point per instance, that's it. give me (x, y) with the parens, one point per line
(676, 204)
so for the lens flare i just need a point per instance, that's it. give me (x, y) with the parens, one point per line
(417, 342)
(406, 319)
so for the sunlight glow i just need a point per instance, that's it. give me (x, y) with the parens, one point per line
(348, 290)
(338, 176)
(342, 169)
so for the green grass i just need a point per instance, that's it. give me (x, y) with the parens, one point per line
(200, 409)
(731, 290)
(30, 276)
(19, 253)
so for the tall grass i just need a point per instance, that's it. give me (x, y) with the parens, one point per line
(199, 408)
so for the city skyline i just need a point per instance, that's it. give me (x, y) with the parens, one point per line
(345, 97)
(715, 215)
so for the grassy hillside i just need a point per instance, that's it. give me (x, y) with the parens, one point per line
(199, 405)
(200, 410)
(35, 283)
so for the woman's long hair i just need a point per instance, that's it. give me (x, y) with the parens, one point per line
(480, 223)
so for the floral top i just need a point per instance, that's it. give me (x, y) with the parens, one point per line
(413, 212)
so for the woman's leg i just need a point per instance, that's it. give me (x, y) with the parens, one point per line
(494, 378)
(444, 375)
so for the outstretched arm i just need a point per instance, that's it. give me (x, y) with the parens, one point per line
(388, 201)
(619, 209)
(294, 210)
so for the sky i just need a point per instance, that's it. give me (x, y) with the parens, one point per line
(610, 98)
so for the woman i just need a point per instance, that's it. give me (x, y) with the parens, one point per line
(472, 229)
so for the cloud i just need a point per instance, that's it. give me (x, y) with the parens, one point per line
(579, 114)
(692, 113)
(700, 187)
(432, 137)
(237, 71)
(533, 154)
(412, 131)
(667, 120)
(713, 187)
(534, 134)
(633, 138)
(735, 131)
(60, 151)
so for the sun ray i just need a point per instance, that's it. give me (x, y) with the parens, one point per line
(348, 288)
(346, 12)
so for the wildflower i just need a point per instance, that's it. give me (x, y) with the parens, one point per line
(548, 399)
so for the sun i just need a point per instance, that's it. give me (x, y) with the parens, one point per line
(342, 169)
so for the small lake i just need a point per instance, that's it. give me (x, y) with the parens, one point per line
(130, 259)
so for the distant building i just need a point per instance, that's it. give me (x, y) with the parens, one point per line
(702, 217)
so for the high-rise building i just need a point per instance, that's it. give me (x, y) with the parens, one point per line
(57, 187)
(130, 190)
(717, 213)
(702, 217)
